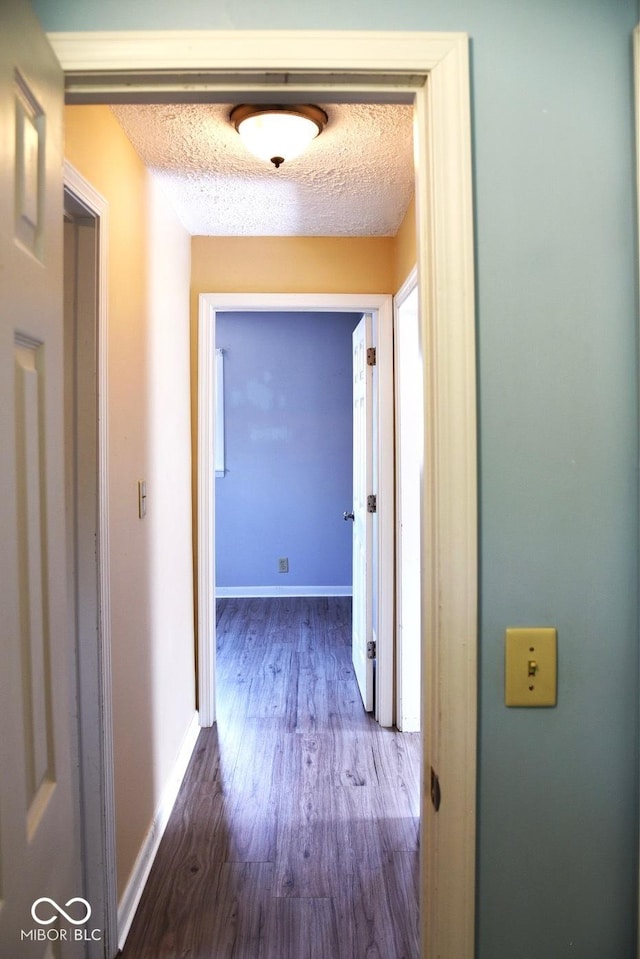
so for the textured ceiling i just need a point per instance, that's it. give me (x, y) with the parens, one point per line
(356, 179)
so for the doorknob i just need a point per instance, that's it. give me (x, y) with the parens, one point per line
(346, 515)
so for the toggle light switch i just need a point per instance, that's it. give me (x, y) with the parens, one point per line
(531, 666)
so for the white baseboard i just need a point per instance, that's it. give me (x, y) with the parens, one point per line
(140, 872)
(258, 592)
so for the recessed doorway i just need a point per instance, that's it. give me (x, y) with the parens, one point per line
(434, 68)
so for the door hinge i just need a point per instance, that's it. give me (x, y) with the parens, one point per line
(371, 356)
(436, 795)
(371, 649)
(372, 503)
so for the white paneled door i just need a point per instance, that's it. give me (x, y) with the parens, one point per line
(39, 846)
(362, 518)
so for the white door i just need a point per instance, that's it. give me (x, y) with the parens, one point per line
(362, 518)
(39, 844)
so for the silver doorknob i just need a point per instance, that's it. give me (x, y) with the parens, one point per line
(346, 515)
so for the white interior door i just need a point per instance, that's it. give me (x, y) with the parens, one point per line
(362, 519)
(39, 847)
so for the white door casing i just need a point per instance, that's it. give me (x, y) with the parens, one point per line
(210, 304)
(433, 70)
(90, 355)
(409, 390)
(362, 579)
(39, 843)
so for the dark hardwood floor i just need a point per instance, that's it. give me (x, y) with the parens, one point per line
(295, 834)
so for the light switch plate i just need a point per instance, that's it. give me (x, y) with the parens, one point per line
(531, 666)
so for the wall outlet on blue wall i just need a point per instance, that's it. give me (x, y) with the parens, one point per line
(283, 565)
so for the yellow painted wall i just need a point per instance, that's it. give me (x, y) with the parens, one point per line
(289, 264)
(149, 438)
(404, 247)
(303, 264)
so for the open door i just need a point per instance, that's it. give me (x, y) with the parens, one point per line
(39, 846)
(362, 627)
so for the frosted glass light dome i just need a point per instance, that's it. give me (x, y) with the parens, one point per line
(278, 133)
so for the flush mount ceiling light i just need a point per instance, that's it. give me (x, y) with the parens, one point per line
(278, 133)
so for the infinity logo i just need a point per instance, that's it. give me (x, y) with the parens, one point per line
(60, 910)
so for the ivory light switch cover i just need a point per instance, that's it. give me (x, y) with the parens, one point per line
(531, 666)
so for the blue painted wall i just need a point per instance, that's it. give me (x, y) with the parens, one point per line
(288, 449)
(553, 157)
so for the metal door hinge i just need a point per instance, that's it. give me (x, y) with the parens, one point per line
(371, 356)
(372, 503)
(371, 649)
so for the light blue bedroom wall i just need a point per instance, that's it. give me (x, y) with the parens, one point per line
(557, 390)
(288, 450)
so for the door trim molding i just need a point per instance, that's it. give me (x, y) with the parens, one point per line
(636, 85)
(408, 287)
(384, 477)
(434, 69)
(96, 757)
(128, 62)
(209, 305)
(449, 522)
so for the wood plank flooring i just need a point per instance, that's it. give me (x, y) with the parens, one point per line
(295, 833)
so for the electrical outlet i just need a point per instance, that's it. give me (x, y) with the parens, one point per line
(283, 565)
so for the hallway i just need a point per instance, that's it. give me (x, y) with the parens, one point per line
(295, 833)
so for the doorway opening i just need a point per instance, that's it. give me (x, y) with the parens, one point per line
(384, 527)
(298, 451)
(433, 68)
(285, 481)
(86, 470)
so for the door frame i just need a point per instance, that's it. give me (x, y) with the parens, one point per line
(209, 305)
(432, 70)
(636, 88)
(97, 798)
(409, 286)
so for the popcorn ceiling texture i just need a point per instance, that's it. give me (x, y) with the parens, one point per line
(356, 178)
